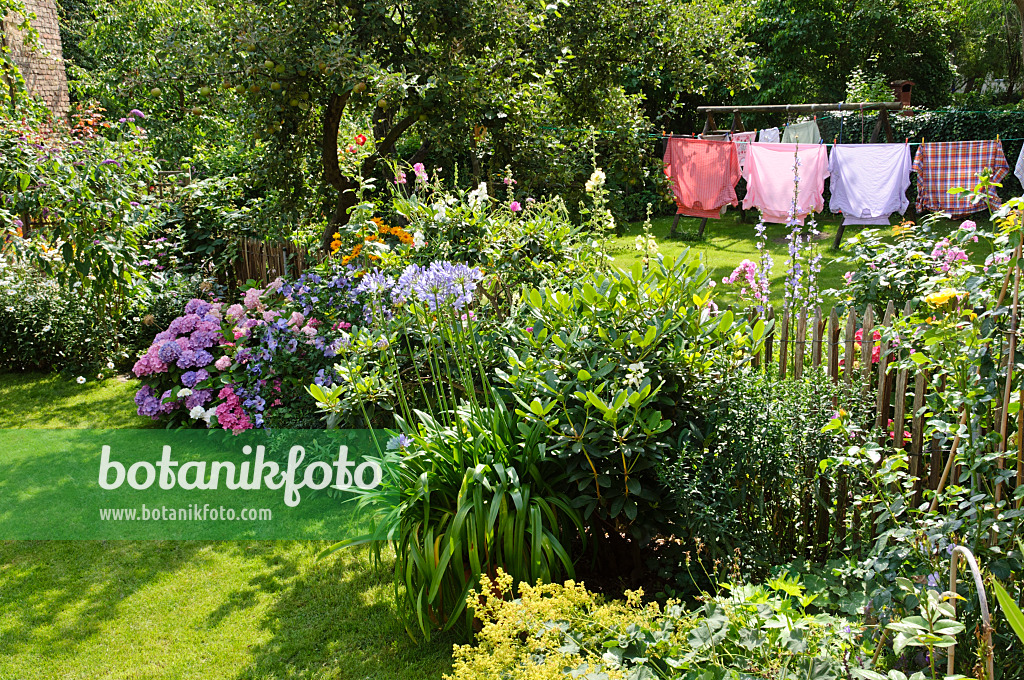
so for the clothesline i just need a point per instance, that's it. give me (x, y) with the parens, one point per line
(869, 182)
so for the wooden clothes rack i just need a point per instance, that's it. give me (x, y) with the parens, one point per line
(710, 128)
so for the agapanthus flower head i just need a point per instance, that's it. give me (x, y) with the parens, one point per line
(375, 283)
(399, 442)
(137, 114)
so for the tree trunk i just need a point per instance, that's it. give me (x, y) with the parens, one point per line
(385, 132)
(1020, 10)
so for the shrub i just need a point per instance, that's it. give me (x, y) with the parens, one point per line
(242, 365)
(610, 368)
(908, 263)
(746, 477)
(42, 327)
(560, 630)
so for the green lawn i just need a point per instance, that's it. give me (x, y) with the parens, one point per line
(189, 609)
(728, 241)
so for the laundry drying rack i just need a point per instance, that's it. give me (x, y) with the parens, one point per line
(711, 127)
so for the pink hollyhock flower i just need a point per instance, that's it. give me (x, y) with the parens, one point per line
(515, 207)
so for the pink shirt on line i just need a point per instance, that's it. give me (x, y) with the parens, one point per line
(770, 181)
(704, 175)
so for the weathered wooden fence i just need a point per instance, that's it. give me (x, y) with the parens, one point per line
(843, 346)
(264, 262)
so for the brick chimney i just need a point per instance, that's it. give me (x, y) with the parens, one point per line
(42, 67)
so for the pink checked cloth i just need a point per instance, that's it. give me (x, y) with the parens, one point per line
(941, 166)
(770, 180)
(704, 175)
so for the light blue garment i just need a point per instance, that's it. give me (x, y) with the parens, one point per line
(769, 136)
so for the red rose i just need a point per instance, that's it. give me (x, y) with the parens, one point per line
(360, 139)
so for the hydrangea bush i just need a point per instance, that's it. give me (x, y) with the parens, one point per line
(236, 366)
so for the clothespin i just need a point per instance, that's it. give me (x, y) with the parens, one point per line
(997, 136)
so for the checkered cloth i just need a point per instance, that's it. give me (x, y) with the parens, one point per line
(941, 166)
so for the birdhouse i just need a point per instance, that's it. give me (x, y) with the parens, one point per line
(902, 90)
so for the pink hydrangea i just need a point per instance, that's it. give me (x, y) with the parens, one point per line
(224, 363)
(149, 363)
(230, 414)
(235, 312)
(296, 320)
(252, 299)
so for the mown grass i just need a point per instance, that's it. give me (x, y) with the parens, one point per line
(198, 610)
(729, 241)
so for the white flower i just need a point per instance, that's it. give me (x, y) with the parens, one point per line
(197, 412)
(46, 328)
(478, 197)
(184, 392)
(99, 376)
(110, 365)
(80, 380)
(418, 240)
(648, 244)
(596, 181)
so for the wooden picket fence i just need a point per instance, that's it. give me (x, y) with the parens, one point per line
(263, 262)
(812, 340)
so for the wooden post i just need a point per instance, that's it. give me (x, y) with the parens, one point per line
(833, 345)
(784, 345)
(816, 339)
(917, 437)
(1005, 410)
(949, 463)
(883, 401)
(867, 344)
(848, 354)
(700, 230)
(770, 340)
(839, 236)
(800, 344)
(675, 223)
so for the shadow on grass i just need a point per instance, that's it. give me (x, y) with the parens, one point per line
(336, 618)
(71, 588)
(50, 400)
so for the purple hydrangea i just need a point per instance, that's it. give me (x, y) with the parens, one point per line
(192, 378)
(169, 352)
(198, 398)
